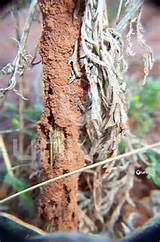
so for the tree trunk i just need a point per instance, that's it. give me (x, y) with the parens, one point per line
(59, 125)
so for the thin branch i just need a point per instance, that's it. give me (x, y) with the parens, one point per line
(6, 156)
(21, 117)
(136, 151)
(8, 131)
(21, 87)
(119, 10)
(21, 50)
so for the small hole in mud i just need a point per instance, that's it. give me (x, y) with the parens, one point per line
(50, 91)
(68, 199)
(42, 128)
(51, 118)
(43, 206)
(73, 215)
(53, 204)
(65, 171)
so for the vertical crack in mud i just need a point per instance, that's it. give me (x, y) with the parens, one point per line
(58, 201)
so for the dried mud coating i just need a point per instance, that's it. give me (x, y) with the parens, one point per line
(58, 201)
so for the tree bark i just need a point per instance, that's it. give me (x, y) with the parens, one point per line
(59, 126)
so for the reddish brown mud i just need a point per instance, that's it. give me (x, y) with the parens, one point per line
(58, 201)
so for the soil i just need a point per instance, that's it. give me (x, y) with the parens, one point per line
(58, 201)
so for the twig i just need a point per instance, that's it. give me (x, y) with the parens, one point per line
(136, 151)
(119, 11)
(21, 79)
(21, 118)
(8, 131)
(6, 157)
(18, 59)
(73, 62)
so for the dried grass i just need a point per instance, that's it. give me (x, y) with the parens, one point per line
(102, 60)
